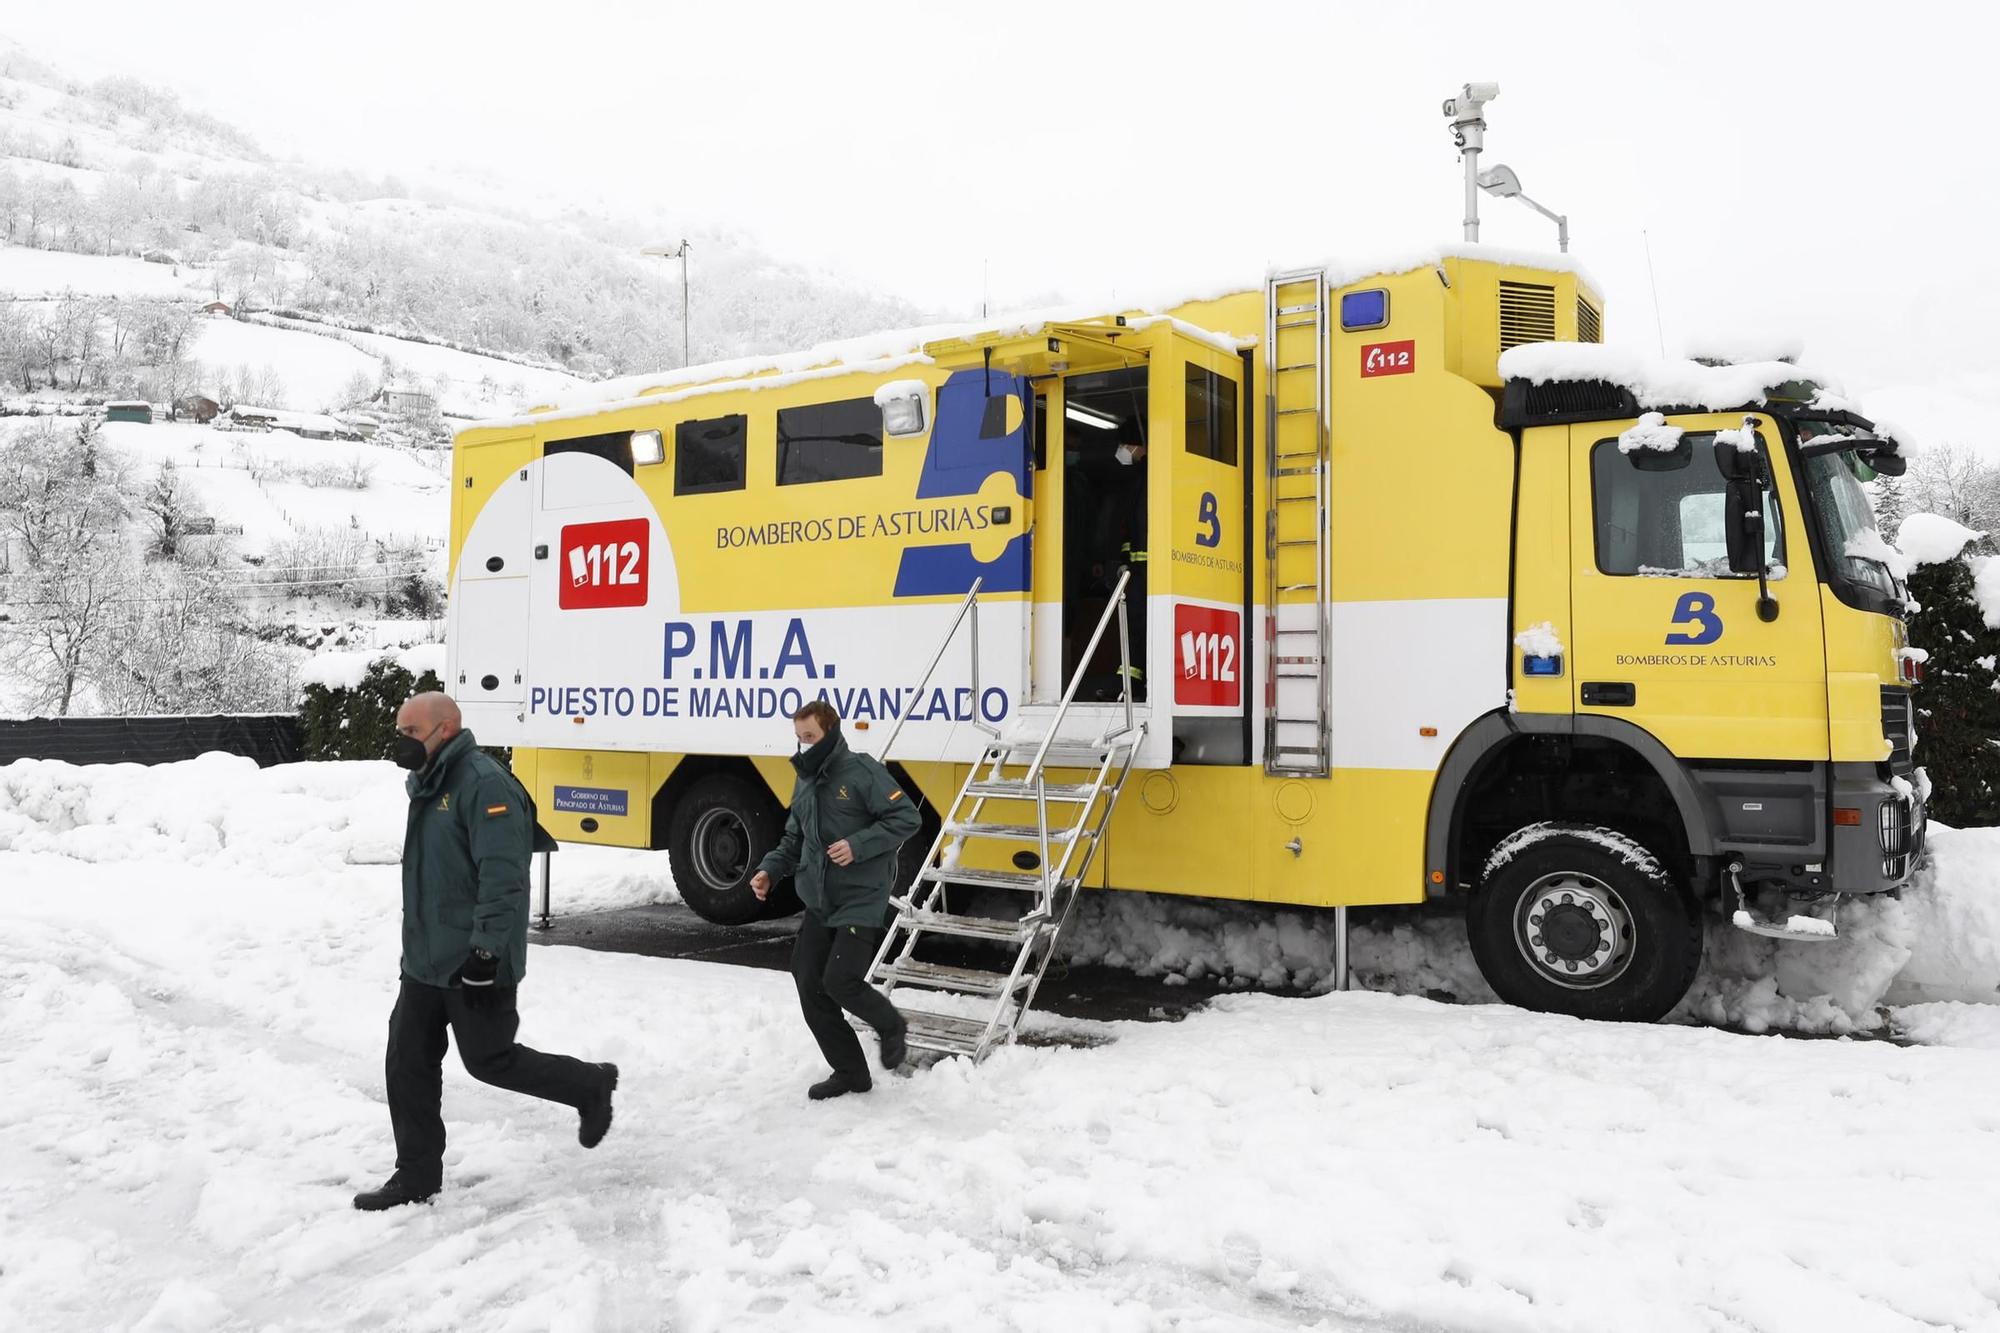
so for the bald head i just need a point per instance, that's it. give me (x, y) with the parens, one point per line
(432, 718)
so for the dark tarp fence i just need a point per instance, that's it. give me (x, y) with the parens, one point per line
(268, 738)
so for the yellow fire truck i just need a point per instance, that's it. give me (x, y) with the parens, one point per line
(1341, 589)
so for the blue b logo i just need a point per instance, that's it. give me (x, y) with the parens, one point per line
(1696, 609)
(1207, 515)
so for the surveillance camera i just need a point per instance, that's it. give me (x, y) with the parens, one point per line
(1481, 92)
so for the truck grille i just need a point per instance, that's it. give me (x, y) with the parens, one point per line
(1898, 716)
(1898, 837)
(1527, 314)
(1589, 328)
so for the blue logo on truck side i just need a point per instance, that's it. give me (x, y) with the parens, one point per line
(1696, 609)
(592, 800)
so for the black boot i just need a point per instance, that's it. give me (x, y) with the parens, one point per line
(895, 1047)
(395, 1192)
(595, 1115)
(838, 1084)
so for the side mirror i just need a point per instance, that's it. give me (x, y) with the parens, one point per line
(1737, 464)
(1743, 524)
(1887, 463)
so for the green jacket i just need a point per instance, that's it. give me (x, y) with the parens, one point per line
(851, 797)
(465, 865)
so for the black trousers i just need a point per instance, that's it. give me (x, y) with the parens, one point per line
(830, 966)
(415, 1067)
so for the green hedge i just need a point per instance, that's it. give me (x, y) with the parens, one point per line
(360, 723)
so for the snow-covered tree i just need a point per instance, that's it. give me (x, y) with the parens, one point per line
(1958, 704)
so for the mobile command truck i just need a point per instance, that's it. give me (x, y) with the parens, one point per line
(1362, 589)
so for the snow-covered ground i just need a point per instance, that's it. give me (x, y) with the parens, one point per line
(196, 968)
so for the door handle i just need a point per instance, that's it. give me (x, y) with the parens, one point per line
(1609, 693)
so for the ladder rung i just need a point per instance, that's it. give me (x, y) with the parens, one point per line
(1298, 411)
(1296, 471)
(1299, 541)
(937, 976)
(1297, 749)
(1014, 789)
(1299, 309)
(1294, 499)
(1298, 631)
(1298, 661)
(992, 879)
(1010, 832)
(1297, 587)
(972, 927)
(1296, 365)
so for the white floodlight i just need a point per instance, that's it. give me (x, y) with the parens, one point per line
(648, 447)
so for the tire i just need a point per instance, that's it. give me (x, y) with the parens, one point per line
(1571, 919)
(721, 827)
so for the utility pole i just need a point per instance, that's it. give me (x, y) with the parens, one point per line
(679, 252)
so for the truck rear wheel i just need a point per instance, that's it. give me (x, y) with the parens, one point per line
(1570, 919)
(721, 827)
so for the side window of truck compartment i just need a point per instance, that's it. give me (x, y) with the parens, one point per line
(615, 448)
(1661, 512)
(1211, 415)
(829, 442)
(708, 455)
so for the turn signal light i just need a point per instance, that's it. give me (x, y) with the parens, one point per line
(1844, 815)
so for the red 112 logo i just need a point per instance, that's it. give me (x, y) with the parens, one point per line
(1397, 358)
(602, 564)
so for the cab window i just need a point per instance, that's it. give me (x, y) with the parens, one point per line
(1211, 415)
(1661, 512)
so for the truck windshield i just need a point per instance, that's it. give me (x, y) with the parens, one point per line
(1841, 510)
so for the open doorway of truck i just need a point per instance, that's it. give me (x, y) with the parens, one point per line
(1105, 471)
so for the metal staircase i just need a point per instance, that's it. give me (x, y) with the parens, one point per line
(1297, 597)
(1006, 802)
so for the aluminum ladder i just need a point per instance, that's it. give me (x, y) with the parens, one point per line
(1055, 856)
(1297, 597)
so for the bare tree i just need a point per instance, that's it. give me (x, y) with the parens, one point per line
(178, 647)
(67, 607)
(168, 507)
(1955, 481)
(168, 342)
(48, 506)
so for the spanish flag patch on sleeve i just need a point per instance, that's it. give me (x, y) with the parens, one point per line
(895, 796)
(495, 811)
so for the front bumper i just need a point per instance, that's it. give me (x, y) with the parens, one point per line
(1881, 851)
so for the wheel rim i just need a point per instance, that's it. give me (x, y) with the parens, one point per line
(721, 848)
(1575, 930)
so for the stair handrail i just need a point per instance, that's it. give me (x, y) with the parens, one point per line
(971, 604)
(1115, 606)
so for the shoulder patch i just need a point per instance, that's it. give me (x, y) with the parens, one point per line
(895, 796)
(495, 811)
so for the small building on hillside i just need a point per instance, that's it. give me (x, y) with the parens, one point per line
(129, 410)
(410, 404)
(198, 408)
(219, 309)
(252, 418)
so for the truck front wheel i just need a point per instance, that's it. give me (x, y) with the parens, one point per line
(1570, 919)
(720, 828)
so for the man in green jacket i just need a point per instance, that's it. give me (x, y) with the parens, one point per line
(465, 948)
(847, 820)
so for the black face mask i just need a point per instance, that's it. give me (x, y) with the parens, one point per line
(409, 752)
(811, 759)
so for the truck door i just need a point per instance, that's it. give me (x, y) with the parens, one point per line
(1199, 562)
(1666, 637)
(487, 615)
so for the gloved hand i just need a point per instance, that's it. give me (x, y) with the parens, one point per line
(476, 976)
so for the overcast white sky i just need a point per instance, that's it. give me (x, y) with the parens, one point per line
(1812, 168)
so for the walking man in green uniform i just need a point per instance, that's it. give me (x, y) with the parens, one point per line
(848, 819)
(465, 948)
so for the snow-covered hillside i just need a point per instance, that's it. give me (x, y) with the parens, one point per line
(197, 962)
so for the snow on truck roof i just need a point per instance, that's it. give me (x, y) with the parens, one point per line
(894, 349)
(1656, 382)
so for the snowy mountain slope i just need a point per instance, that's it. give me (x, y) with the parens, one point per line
(198, 962)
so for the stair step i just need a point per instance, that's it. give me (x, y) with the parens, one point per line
(944, 1032)
(972, 927)
(1009, 832)
(964, 980)
(1014, 789)
(990, 879)
(1060, 755)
